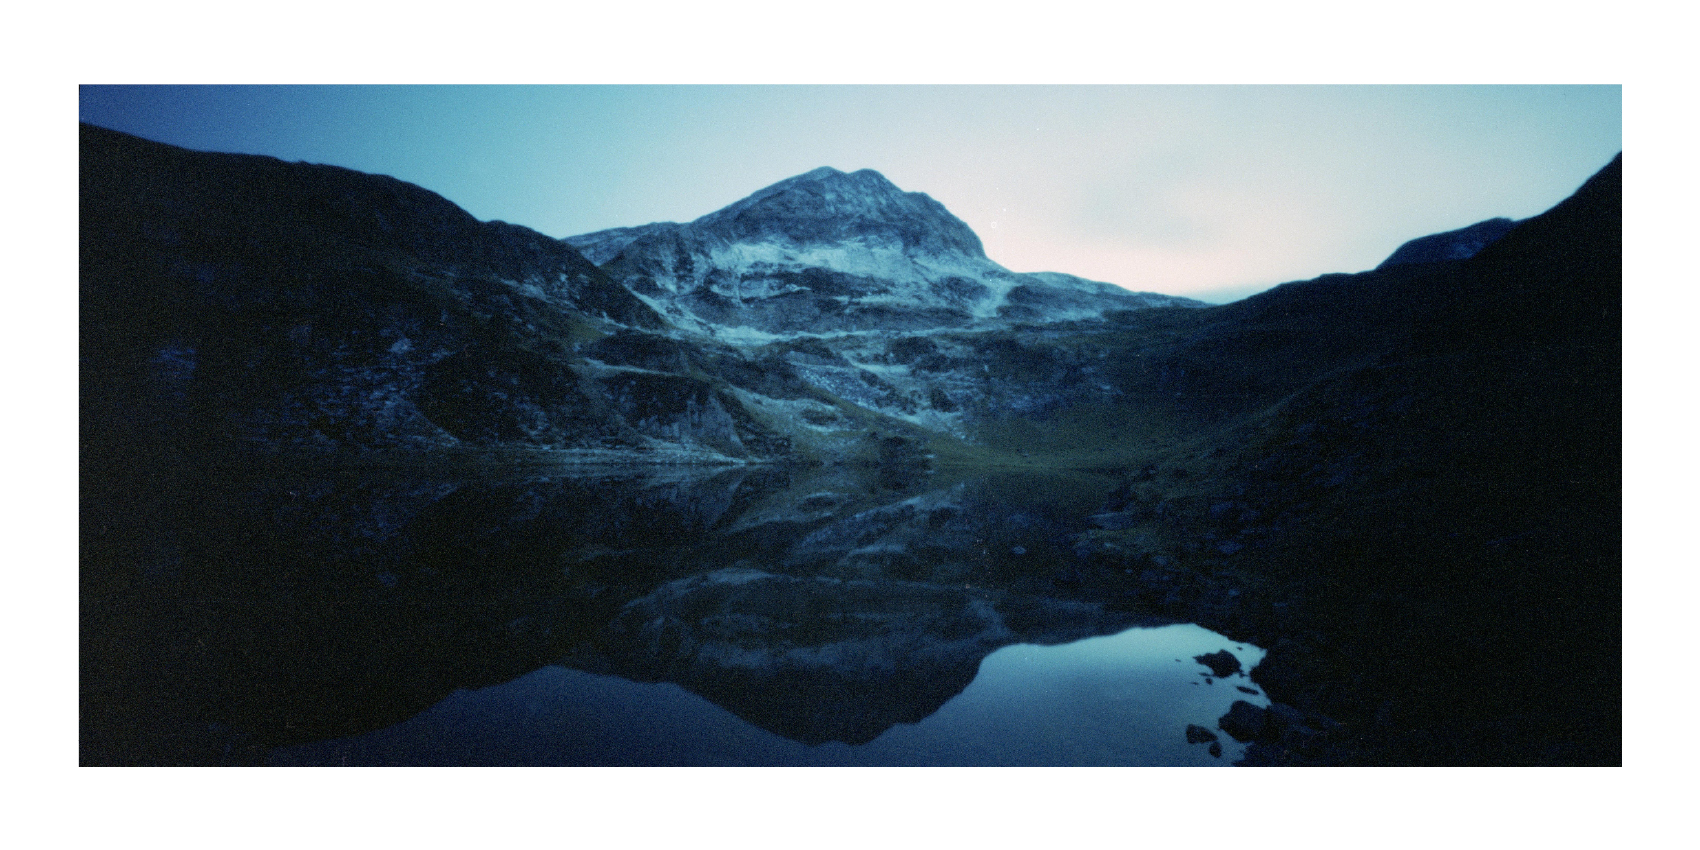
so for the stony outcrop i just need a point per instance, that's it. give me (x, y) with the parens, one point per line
(1222, 663)
(1244, 721)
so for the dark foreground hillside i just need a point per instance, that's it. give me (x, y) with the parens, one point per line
(1428, 534)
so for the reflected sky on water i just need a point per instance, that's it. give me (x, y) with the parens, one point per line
(1123, 699)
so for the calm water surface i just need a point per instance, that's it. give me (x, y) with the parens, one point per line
(1122, 699)
(629, 616)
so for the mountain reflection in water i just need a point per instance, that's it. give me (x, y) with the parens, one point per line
(636, 616)
(1124, 699)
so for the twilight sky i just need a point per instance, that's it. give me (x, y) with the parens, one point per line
(1214, 192)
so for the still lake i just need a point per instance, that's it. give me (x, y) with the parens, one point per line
(630, 616)
(1123, 699)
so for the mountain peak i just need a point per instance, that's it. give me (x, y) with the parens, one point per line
(866, 177)
(827, 205)
(822, 173)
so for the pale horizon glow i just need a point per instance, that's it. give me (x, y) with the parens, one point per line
(1212, 192)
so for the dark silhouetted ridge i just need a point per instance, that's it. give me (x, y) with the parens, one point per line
(1460, 244)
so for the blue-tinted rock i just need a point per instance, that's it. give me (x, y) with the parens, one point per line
(1244, 721)
(1221, 662)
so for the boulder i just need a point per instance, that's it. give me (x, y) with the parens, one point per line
(1244, 721)
(1221, 662)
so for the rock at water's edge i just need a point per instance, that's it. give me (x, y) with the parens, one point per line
(1243, 721)
(1221, 662)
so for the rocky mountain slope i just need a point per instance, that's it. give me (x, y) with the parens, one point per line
(828, 252)
(238, 306)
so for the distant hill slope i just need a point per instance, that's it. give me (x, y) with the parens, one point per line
(1460, 244)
